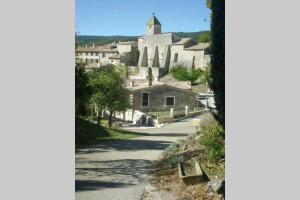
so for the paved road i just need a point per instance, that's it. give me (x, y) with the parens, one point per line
(118, 170)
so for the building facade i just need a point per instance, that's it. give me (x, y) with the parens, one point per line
(166, 50)
(160, 96)
(97, 56)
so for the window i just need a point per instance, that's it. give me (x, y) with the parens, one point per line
(170, 101)
(145, 99)
(175, 57)
(103, 55)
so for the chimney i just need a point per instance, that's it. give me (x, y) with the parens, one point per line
(131, 83)
(86, 46)
(93, 45)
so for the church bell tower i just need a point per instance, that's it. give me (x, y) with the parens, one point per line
(153, 26)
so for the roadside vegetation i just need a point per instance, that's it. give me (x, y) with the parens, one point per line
(99, 94)
(207, 146)
(87, 133)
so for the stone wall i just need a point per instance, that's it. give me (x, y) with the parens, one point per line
(143, 73)
(157, 99)
(124, 48)
(187, 58)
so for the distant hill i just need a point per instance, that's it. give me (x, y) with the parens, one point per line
(101, 40)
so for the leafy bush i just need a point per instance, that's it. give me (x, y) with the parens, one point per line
(171, 159)
(205, 37)
(182, 73)
(213, 138)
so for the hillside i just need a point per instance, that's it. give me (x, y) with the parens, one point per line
(101, 40)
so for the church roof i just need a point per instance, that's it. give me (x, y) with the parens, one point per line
(199, 46)
(183, 41)
(153, 21)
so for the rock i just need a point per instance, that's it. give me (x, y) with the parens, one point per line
(216, 186)
(197, 138)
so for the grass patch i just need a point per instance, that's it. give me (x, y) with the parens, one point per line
(87, 133)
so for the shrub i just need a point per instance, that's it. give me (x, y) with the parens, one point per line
(205, 37)
(170, 158)
(182, 73)
(213, 138)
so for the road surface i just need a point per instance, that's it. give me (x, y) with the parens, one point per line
(118, 170)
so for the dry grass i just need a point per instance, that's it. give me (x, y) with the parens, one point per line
(165, 176)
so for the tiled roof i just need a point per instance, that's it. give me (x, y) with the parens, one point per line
(181, 85)
(153, 21)
(127, 42)
(199, 46)
(96, 49)
(183, 41)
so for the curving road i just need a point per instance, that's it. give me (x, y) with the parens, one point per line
(118, 170)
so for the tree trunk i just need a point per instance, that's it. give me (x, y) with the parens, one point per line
(99, 116)
(110, 119)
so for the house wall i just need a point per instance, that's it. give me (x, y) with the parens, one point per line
(91, 57)
(157, 100)
(124, 48)
(185, 57)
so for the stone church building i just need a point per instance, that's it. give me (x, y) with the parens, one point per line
(162, 51)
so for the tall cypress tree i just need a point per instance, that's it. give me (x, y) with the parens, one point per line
(218, 57)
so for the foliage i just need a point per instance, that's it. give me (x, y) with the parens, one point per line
(182, 73)
(213, 138)
(108, 91)
(218, 58)
(206, 75)
(132, 58)
(82, 88)
(87, 133)
(205, 37)
(208, 4)
(135, 54)
(171, 159)
(83, 40)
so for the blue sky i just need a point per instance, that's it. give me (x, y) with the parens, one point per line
(129, 17)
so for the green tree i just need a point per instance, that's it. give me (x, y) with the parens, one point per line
(108, 92)
(181, 73)
(135, 54)
(206, 75)
(218, 57)
(82, 88)
(131, 58)
(204, 37)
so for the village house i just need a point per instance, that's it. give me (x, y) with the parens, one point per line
(160, 96)
(97, 56)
